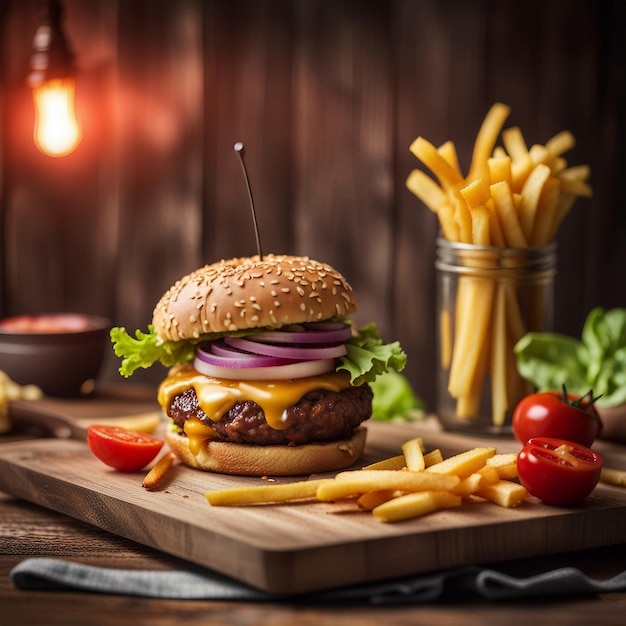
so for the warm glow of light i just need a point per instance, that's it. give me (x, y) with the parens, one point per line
(56, 130)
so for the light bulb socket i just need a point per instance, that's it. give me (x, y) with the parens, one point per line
(52, 56)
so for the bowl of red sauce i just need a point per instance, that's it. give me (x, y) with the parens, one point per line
(61, 353)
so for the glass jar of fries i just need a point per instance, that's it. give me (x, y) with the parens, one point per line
(488, 297)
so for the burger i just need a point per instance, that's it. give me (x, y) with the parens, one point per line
(268, 375)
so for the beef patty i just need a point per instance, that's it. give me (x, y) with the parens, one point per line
(320, 415)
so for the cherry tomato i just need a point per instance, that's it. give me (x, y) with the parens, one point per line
(558, 472)
(125, 450)
(557, 414)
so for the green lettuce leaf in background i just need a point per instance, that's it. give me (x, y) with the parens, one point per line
(596, 361)
(394, 399)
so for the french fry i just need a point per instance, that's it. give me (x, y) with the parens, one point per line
(469, 485)
(481, 232)
(445, 337)
(472, 331)
(414, 505)
(577, 172)
(413, 451)
(515, 145)
(499, 170)
(566, 201)
(356, 482)
(462, 218)
(488, 476)
(266, 494)
(531, 192)
(448, 151)
(499, 152)
(426, 189)
(538, 154)
(497, 235)
(484, 477)
(560, 143)
(504, 464)
(432, 457)
(576, 187)
(500, 346)
(504, 493)
(507, 213)
(464, 463)
(448, 177)
(486, 140)
(475, 193)
(157, 473)
(392, 463)
(613, 477)
(447, 220)
(546, 212)
(371, 499)
(468, 405)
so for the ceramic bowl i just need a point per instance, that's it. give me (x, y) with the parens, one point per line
(613, 423)
(60, 353)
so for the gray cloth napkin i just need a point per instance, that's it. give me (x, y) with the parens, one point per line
(50, 574)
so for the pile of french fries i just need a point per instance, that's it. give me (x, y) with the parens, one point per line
(402, 487)
(10, 390)
(512, 196)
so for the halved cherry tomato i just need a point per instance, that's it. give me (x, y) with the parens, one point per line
(125, 450)
(558, 472)
(557, 414)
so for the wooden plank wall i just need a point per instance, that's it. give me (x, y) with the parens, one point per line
(327, 97)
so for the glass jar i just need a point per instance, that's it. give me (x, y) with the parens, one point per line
(487, 299)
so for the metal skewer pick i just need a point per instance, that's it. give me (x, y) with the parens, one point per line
(240, 150)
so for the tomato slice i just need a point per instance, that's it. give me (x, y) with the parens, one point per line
(558, 472)
(125, 450)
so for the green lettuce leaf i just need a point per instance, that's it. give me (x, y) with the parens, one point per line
(368, 356)
(145, 349)
(595, 362)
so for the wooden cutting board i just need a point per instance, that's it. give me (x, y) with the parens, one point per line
(296, 548)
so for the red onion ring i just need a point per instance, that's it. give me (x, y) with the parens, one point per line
(295, 352)
(226, 357)
(302, 369)
(314, 332)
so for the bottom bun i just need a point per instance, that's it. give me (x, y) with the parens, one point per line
(250, 460)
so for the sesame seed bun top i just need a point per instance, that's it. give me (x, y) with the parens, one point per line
(246, 292)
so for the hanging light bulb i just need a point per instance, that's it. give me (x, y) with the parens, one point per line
(57, 132)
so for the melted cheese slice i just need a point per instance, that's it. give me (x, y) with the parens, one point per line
(216, 396)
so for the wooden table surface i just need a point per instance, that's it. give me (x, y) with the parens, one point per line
(27, 530)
